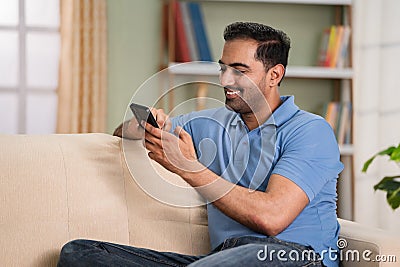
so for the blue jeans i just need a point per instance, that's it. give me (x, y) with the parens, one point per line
(243, 251)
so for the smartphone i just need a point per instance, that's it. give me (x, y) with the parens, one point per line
(143, 113)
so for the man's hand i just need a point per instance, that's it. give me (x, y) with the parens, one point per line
(118, 130)
(132, 130)
(162, 119)
(175, 153)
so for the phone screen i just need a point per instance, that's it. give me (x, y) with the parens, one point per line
(143, 113)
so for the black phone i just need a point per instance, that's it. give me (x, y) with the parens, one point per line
(143, 113)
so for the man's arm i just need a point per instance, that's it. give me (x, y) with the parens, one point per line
(268, 212)
(129, 129)
(118, 131)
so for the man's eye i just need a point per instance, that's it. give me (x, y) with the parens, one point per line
(240, 71)
(222, 68)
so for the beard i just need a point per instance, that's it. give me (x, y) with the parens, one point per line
(238, 105)
(248, 100)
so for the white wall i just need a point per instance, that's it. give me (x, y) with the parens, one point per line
(376, 105)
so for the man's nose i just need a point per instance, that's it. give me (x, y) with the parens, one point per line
(227, 77)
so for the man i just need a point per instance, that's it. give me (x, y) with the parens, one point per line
(271, 181)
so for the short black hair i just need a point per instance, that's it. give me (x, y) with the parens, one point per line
(273, 45)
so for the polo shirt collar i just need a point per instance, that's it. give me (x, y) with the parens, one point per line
(285, 111)
(281, 115)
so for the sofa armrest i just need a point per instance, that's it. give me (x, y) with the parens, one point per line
(365, 246)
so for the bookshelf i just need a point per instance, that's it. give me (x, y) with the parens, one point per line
(306, 2)
(307, 72)
(341, 79)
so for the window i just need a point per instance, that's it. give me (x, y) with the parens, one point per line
(29, 53)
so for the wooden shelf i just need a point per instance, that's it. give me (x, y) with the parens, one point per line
(212, 69)
(302, 2)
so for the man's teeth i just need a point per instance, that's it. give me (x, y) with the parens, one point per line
(232, 92)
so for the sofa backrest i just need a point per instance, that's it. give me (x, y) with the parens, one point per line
(55, 188)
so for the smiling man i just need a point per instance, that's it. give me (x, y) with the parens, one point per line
(269, 176)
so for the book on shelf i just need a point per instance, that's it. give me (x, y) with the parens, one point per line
(331, 114)
(164, 32)
(188, 26)
(334, 45)
(338, 115)
(199, 30)
(323, 49)
(190, 38)
(344, 128)
(182, 52)
(344, 48)
(331, 46)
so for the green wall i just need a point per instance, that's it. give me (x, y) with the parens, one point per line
(134, 27)
(133, 51)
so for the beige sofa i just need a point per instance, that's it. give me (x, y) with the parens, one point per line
(55, 188)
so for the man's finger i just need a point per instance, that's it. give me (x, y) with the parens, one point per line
(160, 117)
(148, 137)
(151, 146)
(152, 130)
(183, 135)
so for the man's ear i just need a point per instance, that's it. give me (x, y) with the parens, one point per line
(277, 73)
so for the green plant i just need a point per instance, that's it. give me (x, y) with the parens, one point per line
(390, 184)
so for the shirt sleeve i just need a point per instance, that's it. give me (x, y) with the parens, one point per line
(182, 121)
(196, 119)
(310, 157)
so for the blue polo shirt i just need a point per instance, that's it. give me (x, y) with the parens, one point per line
(293, 143)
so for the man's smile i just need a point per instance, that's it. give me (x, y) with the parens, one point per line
(232, 93)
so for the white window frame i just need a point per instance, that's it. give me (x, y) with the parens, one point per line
(22, 88)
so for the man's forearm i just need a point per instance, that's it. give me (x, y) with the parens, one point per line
(256, 210)
(129, 129)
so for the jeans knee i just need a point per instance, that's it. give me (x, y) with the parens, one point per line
(72, 251)
(77, 245)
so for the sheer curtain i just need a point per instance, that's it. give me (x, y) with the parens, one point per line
(377, 105)
(83, 67)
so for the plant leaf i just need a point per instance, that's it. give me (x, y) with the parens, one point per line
(395, 155)
(367, 163)
(392, 187)
(388, 151)
(393, 198)
(388, 184)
